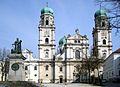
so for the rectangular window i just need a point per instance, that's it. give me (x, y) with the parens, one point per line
(103, 24)
(61, 69)
(35, 68)
(26, 67)
(46, 68)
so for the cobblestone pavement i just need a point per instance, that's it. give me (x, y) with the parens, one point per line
(80, 85)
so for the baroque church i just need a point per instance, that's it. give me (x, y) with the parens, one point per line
(65, 64)
(60, 67)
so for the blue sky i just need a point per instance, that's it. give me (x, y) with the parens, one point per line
(20, 18)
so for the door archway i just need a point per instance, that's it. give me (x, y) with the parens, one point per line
(61, 79)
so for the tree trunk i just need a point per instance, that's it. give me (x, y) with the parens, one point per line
(2, 72)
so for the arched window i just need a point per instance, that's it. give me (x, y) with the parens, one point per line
(46, 54)
(61, 68)
(77, 67)
(104, 41)
(77, 54)
(47, 22)
(35, 68)
(46, 40)
(75, 41)
(103, 24)
(46, 67)
(26, 67)
(104, 55)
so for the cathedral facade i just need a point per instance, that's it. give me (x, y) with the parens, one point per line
(61, 66)
(65, 65)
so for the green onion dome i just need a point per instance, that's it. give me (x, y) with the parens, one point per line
(62, 41)
(47, 10)
(100, 13)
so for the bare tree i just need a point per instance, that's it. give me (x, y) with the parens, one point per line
(4, 53)
(112, 7)
(4, 62)
(0, 54)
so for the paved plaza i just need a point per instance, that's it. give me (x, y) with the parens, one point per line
(80, 85)
(69, 85)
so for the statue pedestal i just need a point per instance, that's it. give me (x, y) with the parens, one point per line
(16, 68)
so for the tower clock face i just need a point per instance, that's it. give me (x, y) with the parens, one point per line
(47, 33)
(104, 33)
(15, 66)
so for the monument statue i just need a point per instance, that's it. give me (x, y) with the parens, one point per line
(16, 62)
(17, 47)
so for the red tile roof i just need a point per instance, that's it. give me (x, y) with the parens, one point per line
(117, 51)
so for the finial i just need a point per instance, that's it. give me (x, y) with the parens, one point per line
(46, 4)
(101, 1)
(100, 5)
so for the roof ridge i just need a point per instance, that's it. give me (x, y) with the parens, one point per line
(117, 51)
